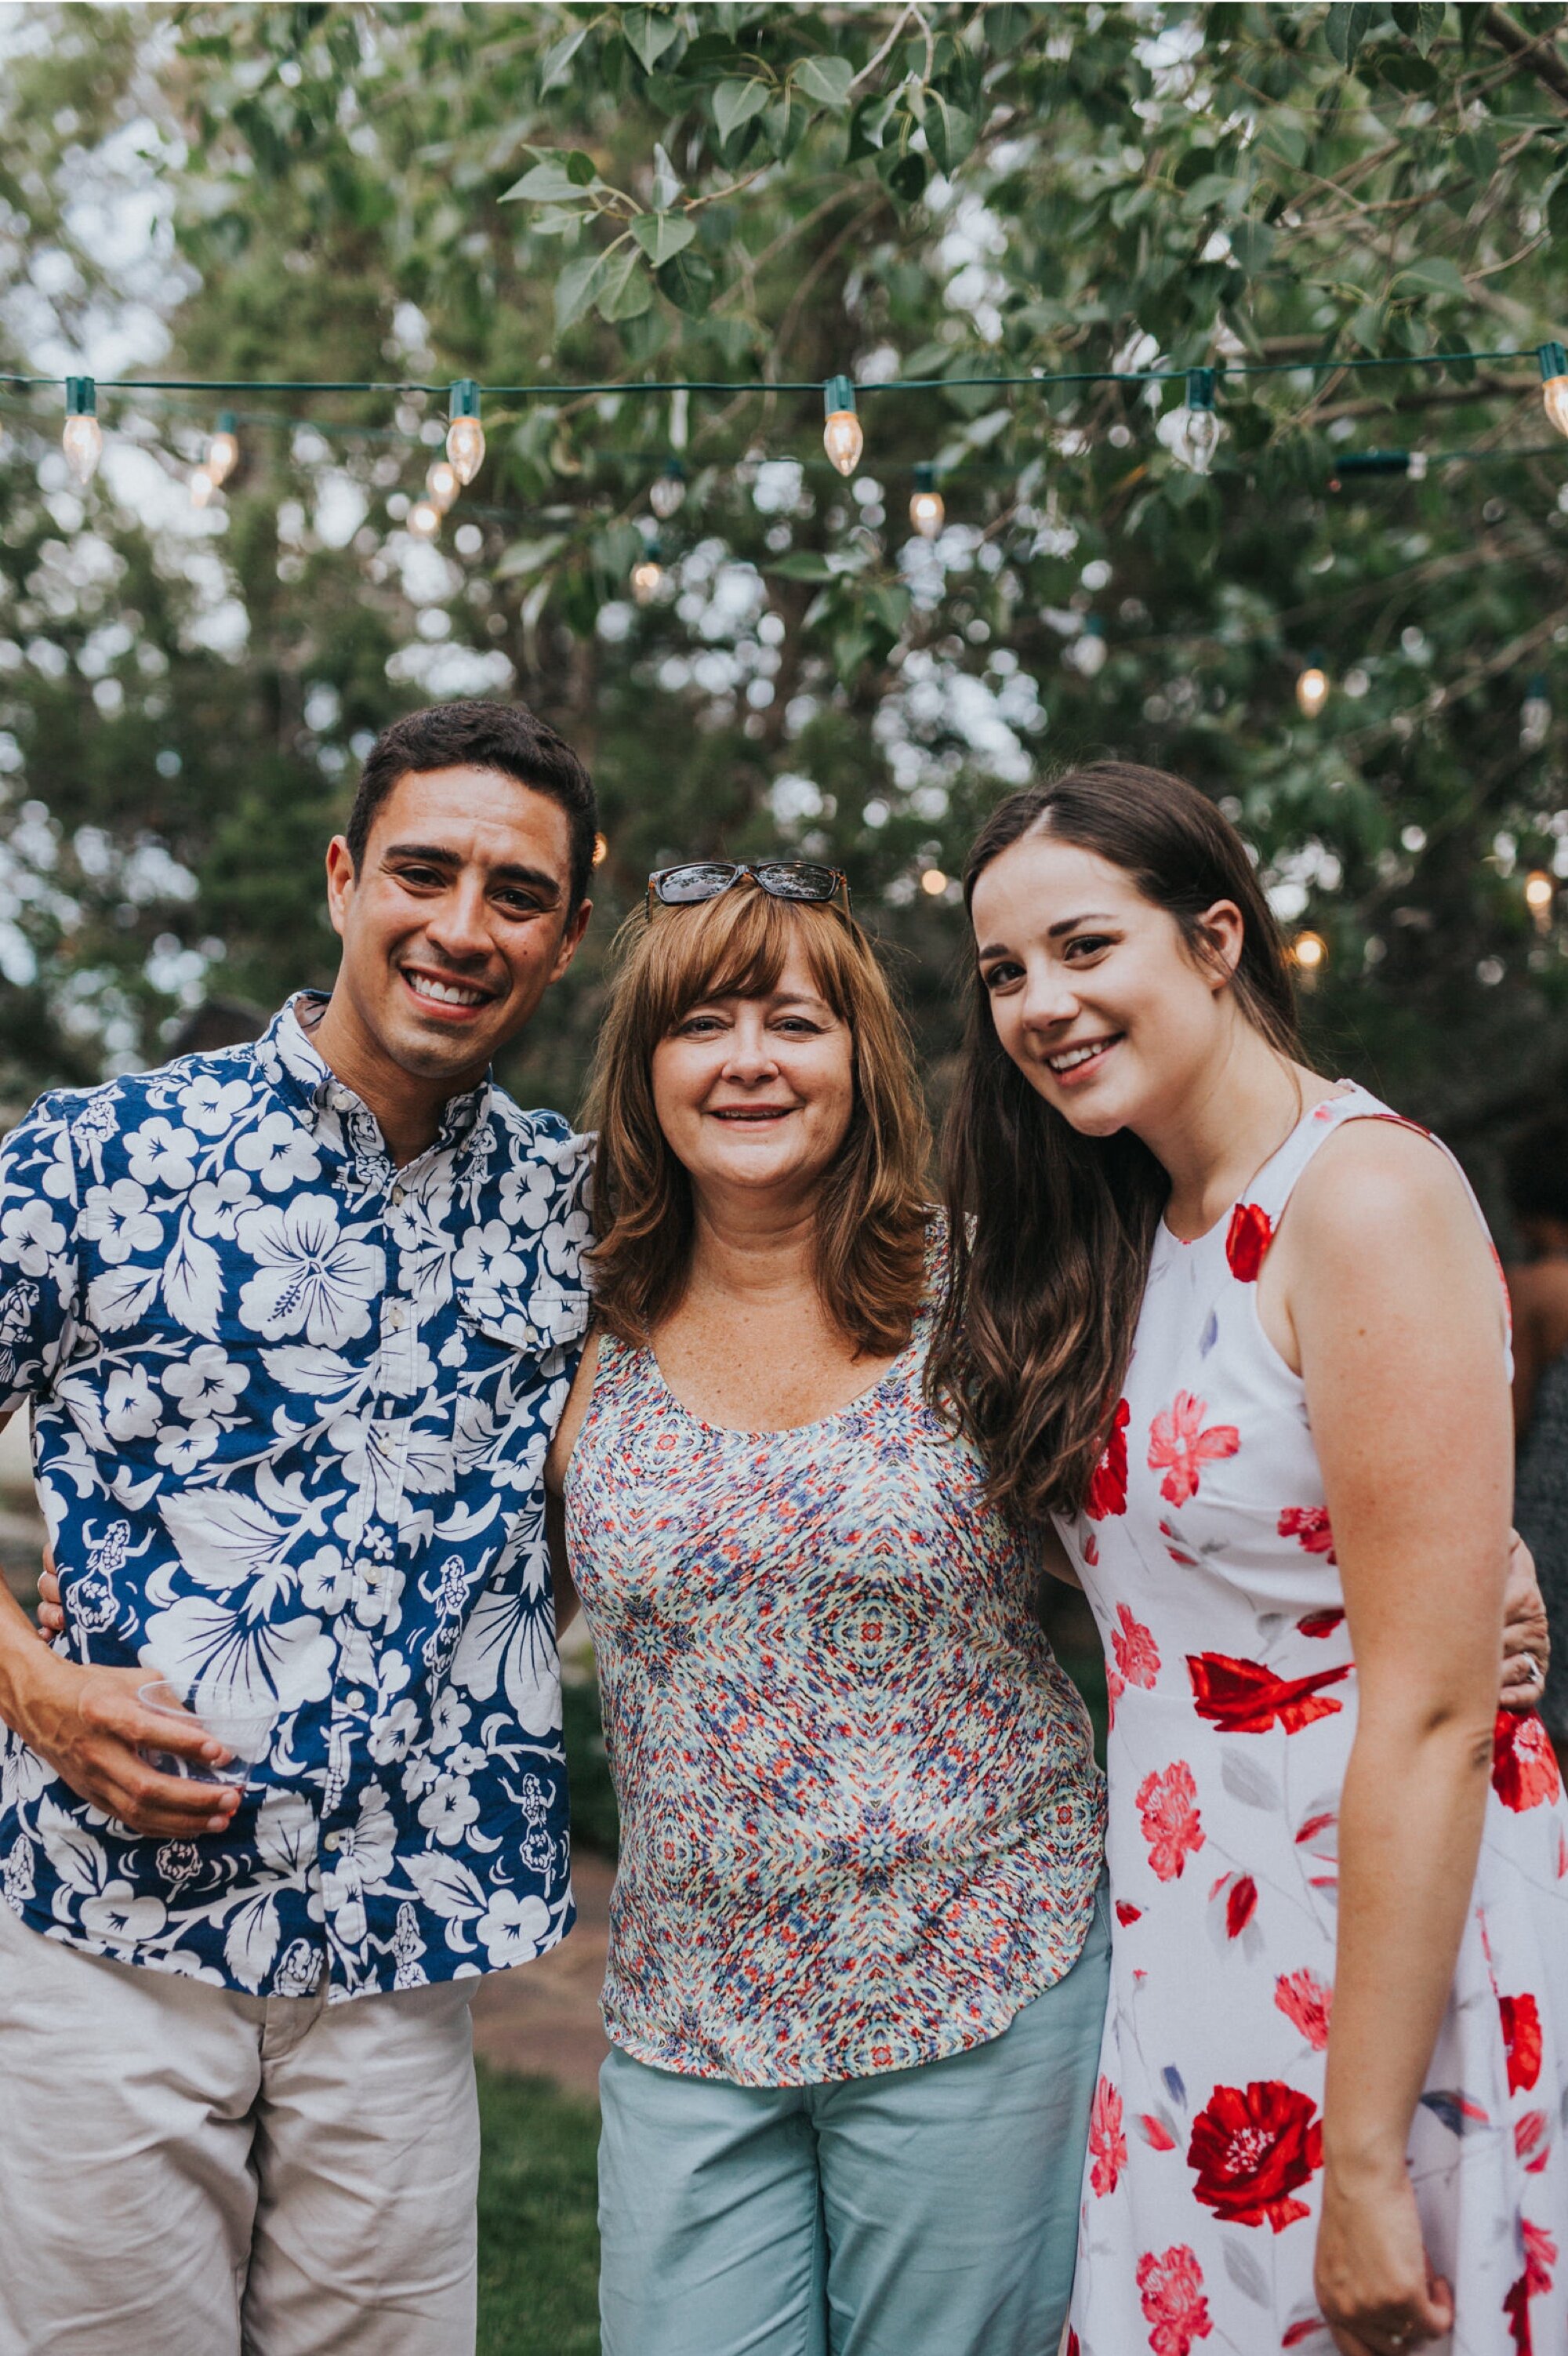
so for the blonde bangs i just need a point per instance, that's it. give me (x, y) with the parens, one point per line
(872, 1220)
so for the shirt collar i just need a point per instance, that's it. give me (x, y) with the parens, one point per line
(291, 1060)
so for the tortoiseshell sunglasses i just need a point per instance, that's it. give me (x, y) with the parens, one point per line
(783, 879)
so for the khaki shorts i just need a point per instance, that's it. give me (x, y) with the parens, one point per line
(185, 2171)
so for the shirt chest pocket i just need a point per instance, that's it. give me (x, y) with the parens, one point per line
(510, 1328)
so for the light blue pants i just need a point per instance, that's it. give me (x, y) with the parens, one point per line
(923, 2212)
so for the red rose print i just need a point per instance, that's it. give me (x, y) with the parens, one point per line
(1307, 2001)
(1539, 2255)
(1172, 1827)
(1177, 1438)
(1516, 2306)
(1527, 2138)
(1521, 2040)
(1156, 2133)
(1074, 2344)
(1137, 1654)
(1309, 1525)
(1171, 2289)
(1126, 1914)
(1251, 2152)
(1108, 1482)
(1241, 1905)
(1243, 1698)
(1107, 2144)
(1524, 1772)
(1319, 1623)
(1247, 1239)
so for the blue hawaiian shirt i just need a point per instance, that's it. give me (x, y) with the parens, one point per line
(290, 1407)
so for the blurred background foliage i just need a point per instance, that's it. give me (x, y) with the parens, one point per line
(558, 196)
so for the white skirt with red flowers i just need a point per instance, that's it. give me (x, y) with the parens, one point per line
(1206, 1553)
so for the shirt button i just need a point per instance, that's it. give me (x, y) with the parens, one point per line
(354, 1701)
(333, 1841)
(398, 1193)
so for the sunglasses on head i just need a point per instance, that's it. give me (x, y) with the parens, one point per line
(781, 879)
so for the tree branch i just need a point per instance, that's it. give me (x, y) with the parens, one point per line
(1540, 54)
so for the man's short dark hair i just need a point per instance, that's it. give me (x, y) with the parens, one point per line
(503, 736)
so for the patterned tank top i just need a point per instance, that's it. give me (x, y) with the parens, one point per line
(861, 1821)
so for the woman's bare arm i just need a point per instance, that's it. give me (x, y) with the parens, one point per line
(1409, 1407)
(572, 1419)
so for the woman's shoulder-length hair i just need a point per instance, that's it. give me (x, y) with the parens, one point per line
(872, 1206)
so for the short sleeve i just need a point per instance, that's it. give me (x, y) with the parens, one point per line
(38, 1252)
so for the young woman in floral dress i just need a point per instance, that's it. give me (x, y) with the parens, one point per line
(1239, 1330)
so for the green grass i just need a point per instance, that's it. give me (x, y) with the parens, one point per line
(539, 2236)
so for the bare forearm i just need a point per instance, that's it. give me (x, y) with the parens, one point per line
(1410, 1831)
(24, 1664)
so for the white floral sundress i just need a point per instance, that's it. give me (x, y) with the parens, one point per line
(1206, 1554)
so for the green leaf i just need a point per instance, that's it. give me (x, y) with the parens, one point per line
(1368, 327)
(1251, 243)
(850, 649)
(1475, 152)
(547, 184)
(950, 134)
(663, 235)
(667, 184)
(802, 564)
(1557, 210)
(1347, 28)
(734, 103)
(526, 556)
(1436, 276)
(557, 63)
(1429, 18)
(648, 35)
(625, 290)
(868, 124)
(689, 284)
(1282, 136)
(890, 604)
(827, 80)
(581, 169)
(576, 288)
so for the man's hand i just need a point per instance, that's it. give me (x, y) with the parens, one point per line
(51, 1619)
(1527, 1648)
(88, 1726)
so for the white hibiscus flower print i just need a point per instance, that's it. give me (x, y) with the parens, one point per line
(214, 1203)
(163, 1156)
(31, 1238)
(513, 1929)
(119, 1218)
(117, 1914)
(211, 1105)
(280, 1152)
(487, 1260)
(206, 1383)
(310, 1278)
(132, 1408)
(448, 1809)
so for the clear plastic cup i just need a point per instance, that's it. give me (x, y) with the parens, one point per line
(245, 1734)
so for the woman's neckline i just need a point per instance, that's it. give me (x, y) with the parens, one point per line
(779, 1431)
(1337, 1090)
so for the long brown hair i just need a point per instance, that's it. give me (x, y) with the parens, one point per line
(1051, 1232)
(874, 1203)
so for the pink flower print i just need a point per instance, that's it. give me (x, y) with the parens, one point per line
(1172, 1826)
(1177, 1438)
(1308, 1524)
(1171, 2289)
(1307, 2001)
(1137, 1654)
(1539, 2255)
(1107, 2144)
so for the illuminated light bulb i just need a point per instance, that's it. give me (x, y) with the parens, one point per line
(843, 438)
(202, 487)
(223, 452)
(82, 440)
(667, 490)
(646, 579)
(601, 850)
(928, 508)
(441, 482)
(1554, 363)
(1538, 893)
(465, 434)
(1311, 695)
(1197, 435)
(933, 881)
(1310, 951)
(424, 518)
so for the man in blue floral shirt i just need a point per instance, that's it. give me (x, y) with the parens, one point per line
(294, 1322)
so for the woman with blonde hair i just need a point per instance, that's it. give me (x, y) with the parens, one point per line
(857, 1950)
